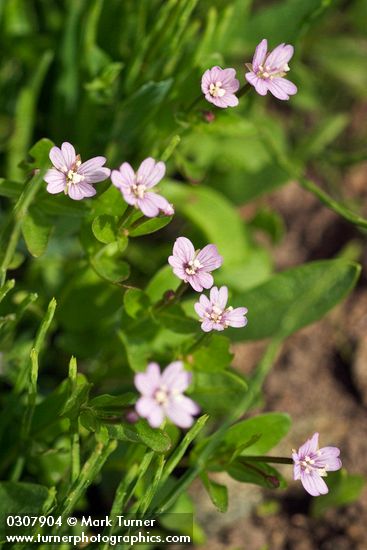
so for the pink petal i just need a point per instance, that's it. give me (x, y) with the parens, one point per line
(296, 471)
(58, 160)
(279, 57)
(282, 88)
(56, 181)
(79, 191)
(129, 197)
(210, 258)
(216, 74)
(223, 297)
(189, 405)
(314, 484)
(120, 179)
(93, 171)
(68, 152)
(236, 318)
(310, 446)
(204, 280)
(184, 249)
(260, 54)
(151, 172)
(148, 205)
(215, 100)
(200, 310)
(156, 416)
(175, 377)
(207, 325)
(328, 458)
(229, 100)
(144, 406)
(127, 173)
(147, 382)
(178, 415)
(194, 281)
(205, 82)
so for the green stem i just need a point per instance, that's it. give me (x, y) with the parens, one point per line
(243, 90)
(87, 475)
(20, 210)
(126, 216)
(203, 339)
(167, 301)
(268, 459)
(74, 427)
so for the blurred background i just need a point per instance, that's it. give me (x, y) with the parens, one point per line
(117, 77)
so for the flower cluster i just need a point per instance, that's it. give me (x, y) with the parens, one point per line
(76, 179)
(194, 267)
(266, 73)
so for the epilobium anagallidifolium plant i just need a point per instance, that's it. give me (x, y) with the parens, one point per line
(141, 269)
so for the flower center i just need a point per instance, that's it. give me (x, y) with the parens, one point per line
(192, 266)
(72, 175)
(216, 89)
(161, 396)
(267, 72)
(308, 465)
(138, 190)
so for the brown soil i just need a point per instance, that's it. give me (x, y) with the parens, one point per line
(320, 379)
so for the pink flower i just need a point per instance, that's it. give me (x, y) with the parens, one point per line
(219, 86)
(312, 463)
(267, 70)
(135, 188)
(73, 177)
(162, 395)
(213, 313)
(192, 266)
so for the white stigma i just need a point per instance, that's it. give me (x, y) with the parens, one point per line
(216, 89)
(138, 190)
(193, 266)
(161, 396)
(74, 177)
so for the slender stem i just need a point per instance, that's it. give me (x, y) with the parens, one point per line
(169, 299)
(20, 210)
(126, 216)
(87, 475)
(268, 459)
(194, 103)
(243, 90)
(203, 338)
(74, 427)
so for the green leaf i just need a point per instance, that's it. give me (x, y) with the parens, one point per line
(218, 493)
(259, 473)
(140, 432)
(109, 265)
(334, 205)
(36, 229)
(174, 318)
(78, 397)
(112, 402)
(105, 228)
(162, 281)
(20, 499)
(263, 432)
(295, 298)
(109, 203)
(217, 391)
(136, 302)
(10, 189)
(211, 212)
(344, 488)
(139, 108)
(149, 226)
(214, 356)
